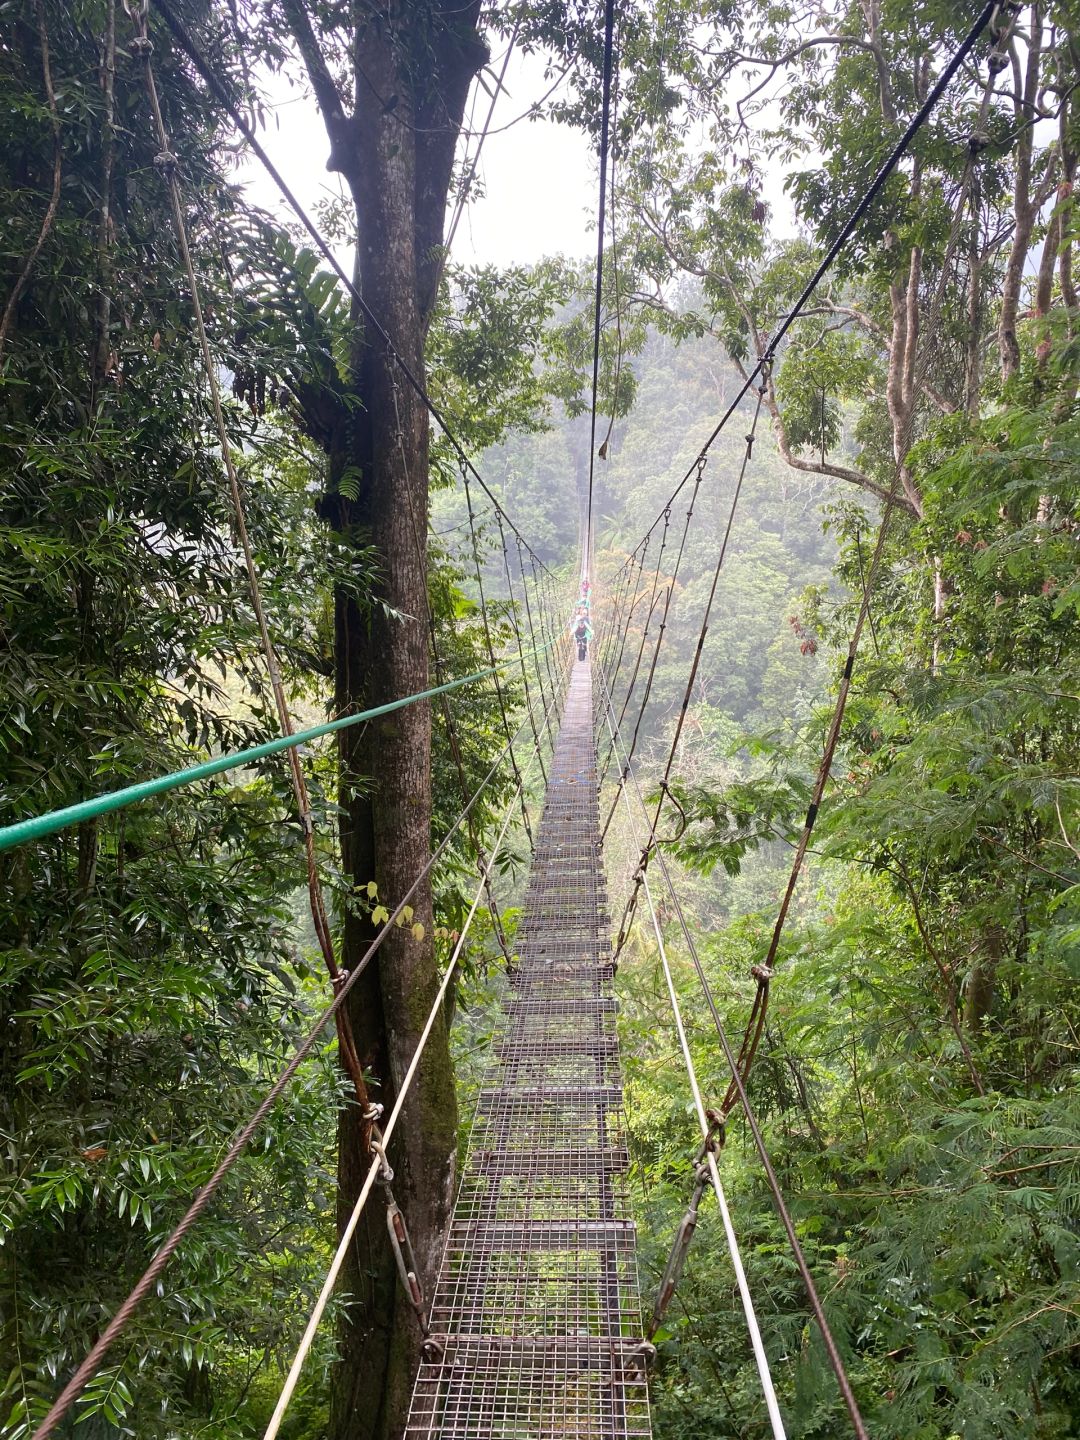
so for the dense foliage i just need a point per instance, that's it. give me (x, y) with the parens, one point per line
(917, 1078)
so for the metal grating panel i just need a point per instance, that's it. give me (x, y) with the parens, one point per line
(536, 1317)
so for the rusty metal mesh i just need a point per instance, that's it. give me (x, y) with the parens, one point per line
(536, 1318)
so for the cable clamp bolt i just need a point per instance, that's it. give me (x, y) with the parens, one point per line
(644, 1354)
(715, 1140)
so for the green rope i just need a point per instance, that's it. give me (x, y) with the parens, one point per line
(38, 826)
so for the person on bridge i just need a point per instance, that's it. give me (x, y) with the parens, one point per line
(582, 634)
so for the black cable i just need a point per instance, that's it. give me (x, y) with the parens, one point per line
(897, 153)
(628, 913)
(196, 57)
(605, 140)
(653, 598)
(699, 471)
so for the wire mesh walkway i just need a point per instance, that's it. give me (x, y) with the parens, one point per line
(536, 1322)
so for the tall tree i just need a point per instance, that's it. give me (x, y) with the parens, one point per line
(391, 83)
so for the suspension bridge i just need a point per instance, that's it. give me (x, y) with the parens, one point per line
(535, 1320)
(535, 1328)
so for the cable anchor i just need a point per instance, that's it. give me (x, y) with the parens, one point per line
(679, 1249)
(406, 1261)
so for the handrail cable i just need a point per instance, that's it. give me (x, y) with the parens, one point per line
(379, 1167)
(605, 140)
(36, 827)
(164, 1253)
(705, 1124)
(213, 81)
(987, 16)
(832, 1352)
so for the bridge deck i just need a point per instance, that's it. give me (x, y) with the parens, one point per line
(536, 1312)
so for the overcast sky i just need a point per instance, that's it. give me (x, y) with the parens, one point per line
(538, 178)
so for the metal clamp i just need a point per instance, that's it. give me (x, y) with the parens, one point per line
(406, 1261)
(679, 1249)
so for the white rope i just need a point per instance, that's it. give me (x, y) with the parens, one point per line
(760, 1356)
(388, 1129)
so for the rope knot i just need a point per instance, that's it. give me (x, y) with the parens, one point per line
(166, 162)
(339, 978)
(716, 1139)
(142, 47)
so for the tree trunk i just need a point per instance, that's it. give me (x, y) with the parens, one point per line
(413, 67)
(1024, 211)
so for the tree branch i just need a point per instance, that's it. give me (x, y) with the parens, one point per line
(327, 94)
(54, 199)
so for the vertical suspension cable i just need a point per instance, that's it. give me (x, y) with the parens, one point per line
(832, 1351)
(705, 1124)
(605, 140)
(166, 163)
(702, 462)
(699, 649)
(653, 597)
(490, 643)
(447, 709)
